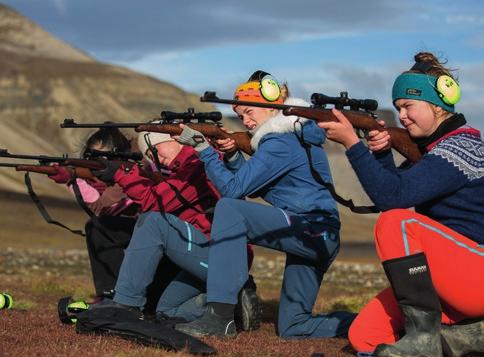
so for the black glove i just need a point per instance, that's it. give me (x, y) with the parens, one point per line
(107, 174)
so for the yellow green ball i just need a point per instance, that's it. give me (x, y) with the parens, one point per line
(6, 301)
(77, 306)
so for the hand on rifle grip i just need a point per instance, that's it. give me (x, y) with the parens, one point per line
(378, 141)
(192, 138)
(63, 174)
(227, 145)
(340, 130)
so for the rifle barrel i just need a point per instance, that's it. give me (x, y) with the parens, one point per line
(4, 164)
(210, 97)
(70, 123)
(40, 158)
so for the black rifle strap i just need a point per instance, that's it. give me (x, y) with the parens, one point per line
(80, 200)
(317, 177)
(43, 210)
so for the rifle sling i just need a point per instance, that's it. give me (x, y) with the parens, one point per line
(43, 210)
(317, 177)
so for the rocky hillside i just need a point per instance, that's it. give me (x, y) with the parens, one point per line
(43, 81)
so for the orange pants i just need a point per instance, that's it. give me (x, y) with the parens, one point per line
(456, 265)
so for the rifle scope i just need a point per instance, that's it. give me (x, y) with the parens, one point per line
(113, 155)
(342, 101)
(191, 115)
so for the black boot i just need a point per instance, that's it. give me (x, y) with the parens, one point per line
(217, 320)
(412, 285)
(463, 338)
(248, 311)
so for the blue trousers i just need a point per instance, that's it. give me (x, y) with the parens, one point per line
(310, 249)
(156, 235)
(184, 297)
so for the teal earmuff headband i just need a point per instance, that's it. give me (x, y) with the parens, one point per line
(443, 91)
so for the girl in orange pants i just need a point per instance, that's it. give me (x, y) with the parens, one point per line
(456, 263)
(434, 258)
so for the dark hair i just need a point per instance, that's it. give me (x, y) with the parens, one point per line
(430, 65)
(110, 139)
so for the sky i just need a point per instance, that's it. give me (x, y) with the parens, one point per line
(324, 46)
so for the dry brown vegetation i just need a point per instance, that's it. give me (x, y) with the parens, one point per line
(40, 263)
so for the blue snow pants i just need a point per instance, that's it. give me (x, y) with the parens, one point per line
(310, 249)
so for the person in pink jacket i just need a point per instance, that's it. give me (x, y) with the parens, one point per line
(177, 202)
(112, 218)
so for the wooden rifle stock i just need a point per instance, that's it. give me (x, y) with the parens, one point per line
(241, 138)
(40, 169)
(80, 172)
(400, 139)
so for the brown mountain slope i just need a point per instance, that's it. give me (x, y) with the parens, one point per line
(43, 81)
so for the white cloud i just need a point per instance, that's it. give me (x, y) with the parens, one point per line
(464, 19)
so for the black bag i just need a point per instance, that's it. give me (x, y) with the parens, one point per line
(123, 323)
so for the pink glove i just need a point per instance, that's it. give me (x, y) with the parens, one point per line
(63, 175)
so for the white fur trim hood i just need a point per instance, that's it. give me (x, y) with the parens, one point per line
(279, 123)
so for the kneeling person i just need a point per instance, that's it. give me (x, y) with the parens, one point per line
(177, 203)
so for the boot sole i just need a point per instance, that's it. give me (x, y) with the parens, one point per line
(248, 312)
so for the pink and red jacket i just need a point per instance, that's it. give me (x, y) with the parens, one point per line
(187, 176)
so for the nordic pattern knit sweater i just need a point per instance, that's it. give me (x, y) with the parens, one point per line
(447, 184)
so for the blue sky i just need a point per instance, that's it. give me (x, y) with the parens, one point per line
(315, 46)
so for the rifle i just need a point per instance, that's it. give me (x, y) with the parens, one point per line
(169, 125)
(79, 167)
(241, 138)
(61, 160)
(80, 172)
(359, 115)
(165, 116)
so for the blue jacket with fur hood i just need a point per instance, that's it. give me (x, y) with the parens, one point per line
(279, 170)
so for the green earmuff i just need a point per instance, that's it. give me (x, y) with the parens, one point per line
(448, 89)
(269, 88)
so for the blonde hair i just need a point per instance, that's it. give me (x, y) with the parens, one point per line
(284, 91)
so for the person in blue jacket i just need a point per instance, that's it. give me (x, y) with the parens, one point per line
(302, 220)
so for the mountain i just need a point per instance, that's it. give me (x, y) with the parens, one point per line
(44, 80)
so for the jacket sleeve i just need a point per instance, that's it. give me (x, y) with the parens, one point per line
(111, 200)
(88, 193)
(152, 196)
(270, 161)
(429, 178)
(235, 162)
(386, 159)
